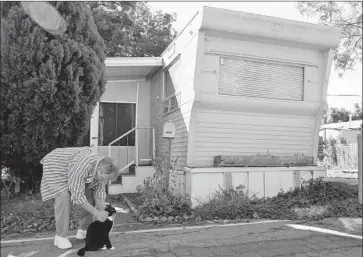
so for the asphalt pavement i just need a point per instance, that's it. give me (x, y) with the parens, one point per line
(251, 239)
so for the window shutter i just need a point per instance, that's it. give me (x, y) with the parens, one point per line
(260, 78)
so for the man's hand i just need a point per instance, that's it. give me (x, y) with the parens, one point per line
(101, 215)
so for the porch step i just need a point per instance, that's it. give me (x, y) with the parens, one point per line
(128, 183)
(145, 162)
(132, 170)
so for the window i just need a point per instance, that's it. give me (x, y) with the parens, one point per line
(115, 120)
(171, 103)
(260, 78)
(171, 90)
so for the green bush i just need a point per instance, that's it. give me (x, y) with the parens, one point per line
(346, 208)
(315, 199)
(159, 202)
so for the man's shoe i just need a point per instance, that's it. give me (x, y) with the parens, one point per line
(81, 234)
(62, 243)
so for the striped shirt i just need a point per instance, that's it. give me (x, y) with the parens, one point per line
(69, 169)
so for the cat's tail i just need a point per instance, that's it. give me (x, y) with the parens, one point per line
(82, 251)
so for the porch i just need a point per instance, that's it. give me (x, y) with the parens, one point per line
(120, 125)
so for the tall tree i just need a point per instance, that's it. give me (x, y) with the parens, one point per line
(49, 85)
(348, 17)
(132, 29)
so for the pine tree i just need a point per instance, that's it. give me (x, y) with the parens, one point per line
(49, 85)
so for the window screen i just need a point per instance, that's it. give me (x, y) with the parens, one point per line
(264, 79)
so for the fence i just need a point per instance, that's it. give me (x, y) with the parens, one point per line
(339, 156)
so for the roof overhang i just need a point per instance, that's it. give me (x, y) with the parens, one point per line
(131, 68)
(272, 29)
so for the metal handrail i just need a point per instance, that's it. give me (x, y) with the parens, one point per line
(117, 139)
(127, 166)
(136, 145)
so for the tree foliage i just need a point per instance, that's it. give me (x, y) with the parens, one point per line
(132, 29)
(348, 17)
(49, 85)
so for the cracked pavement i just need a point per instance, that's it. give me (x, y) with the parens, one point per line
(259, 240)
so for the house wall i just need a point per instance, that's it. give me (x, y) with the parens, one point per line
(127, 92)
(185, 46)
(233, 125)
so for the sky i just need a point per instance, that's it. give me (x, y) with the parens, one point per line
(351, 83)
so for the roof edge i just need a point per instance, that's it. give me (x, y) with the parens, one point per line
(258, 25)
(133, 61)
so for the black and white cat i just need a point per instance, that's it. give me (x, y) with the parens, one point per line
(98, 233)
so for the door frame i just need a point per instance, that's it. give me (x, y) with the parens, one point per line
(95, 119)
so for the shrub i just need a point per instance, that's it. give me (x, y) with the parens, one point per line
(347, 208)
(314, 199)
(159, 202)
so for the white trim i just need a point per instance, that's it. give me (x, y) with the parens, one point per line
(260, 58)
(117, 102)
(94, 128)
(136, 124)
(162, 86)
(133, 61)
(175, 59)
(125, 80)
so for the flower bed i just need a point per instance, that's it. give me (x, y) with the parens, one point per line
(315, 199)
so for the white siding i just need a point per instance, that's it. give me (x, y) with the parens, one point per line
(183, 74)
(181, 119)
(222, 133)
(244, 123)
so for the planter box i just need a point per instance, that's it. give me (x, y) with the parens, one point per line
(262, 161)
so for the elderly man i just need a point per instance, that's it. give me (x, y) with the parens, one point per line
(76, 175)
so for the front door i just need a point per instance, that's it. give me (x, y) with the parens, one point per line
(110, 121)
(116, 119)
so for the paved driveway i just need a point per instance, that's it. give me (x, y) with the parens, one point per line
(263, 239)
